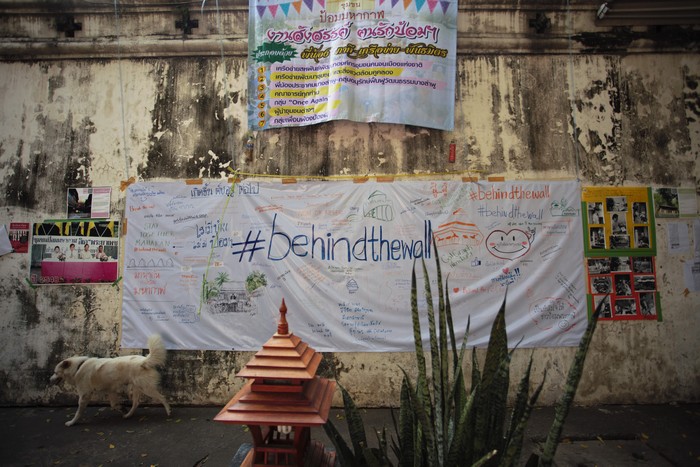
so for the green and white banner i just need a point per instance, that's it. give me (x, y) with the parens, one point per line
(313, 61)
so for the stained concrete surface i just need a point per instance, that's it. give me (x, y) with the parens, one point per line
(628, 435)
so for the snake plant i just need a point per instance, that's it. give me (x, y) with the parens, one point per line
(441, 422)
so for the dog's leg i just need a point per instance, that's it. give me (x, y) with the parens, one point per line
(135, 396)
(114, 401)
(153, 393)
(82, 403)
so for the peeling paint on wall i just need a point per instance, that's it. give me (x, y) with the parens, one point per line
(606, 117)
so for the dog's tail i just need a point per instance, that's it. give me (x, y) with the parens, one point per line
(156, 352)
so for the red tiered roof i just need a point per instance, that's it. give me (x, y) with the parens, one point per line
(283, 387)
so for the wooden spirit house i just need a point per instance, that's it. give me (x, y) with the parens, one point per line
(281, 401)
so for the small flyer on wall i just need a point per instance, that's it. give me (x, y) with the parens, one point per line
(74, 252)
(88, 203)
(19, 236)
(5, 245)
(620, 246)
(675, 202)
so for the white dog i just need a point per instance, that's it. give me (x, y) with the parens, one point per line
(114, 375)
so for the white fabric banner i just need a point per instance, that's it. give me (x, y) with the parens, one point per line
(207, 266)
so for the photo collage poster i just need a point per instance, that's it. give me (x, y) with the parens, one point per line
(83, 248)
(620, 249)
(74, 252)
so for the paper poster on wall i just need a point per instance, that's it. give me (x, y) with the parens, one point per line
(88, 203)
(19, 236)
(5, 245)
(620, 246)
(207, 266)
(74, 252)
(315, 61)
(626, 285)
(675, 202)
(618, 221)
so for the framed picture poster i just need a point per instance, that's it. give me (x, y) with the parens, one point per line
(620, 249)
(74, 252)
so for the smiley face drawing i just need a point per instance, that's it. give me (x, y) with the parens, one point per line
(509, 245)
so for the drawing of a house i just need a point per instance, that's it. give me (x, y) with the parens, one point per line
(458, 233)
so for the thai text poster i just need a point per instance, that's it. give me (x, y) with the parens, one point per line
(74, 252)
(312, 61)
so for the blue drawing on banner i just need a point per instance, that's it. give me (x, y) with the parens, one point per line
(153, 315)
(509, 245)
(186, 314)
(224, 190)
(379, 207)
(150, 264)
(201, 192)
(561, 208)
(371, 246)
(508, 276)
(476, 262)
(352, 286)
(249, 188)
(143, 192)
(248, 246)
(179, 203)
(321, 329)
(211, 228)
(190, 217)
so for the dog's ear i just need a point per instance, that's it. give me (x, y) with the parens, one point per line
(65, 364)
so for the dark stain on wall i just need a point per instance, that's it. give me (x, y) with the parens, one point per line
(326, 368)
(651, 136)
(180, 148)
(619, 39)
(300, 151)
(58, 159)
(691, 96)
(497, 157)
(55, 82)
(29, 311)
(185, 372)
(425, 150)
(79, 158)
(603, 163)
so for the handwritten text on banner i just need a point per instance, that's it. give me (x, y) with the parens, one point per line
(207, 266)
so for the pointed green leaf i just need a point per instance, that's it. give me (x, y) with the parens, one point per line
(515, 444)
(343, 451)
(564, 403)
(356, 426)
(426, 426)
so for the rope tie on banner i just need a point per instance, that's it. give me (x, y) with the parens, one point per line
(202, 295)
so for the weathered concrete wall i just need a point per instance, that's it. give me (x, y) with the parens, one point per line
(129, 96)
